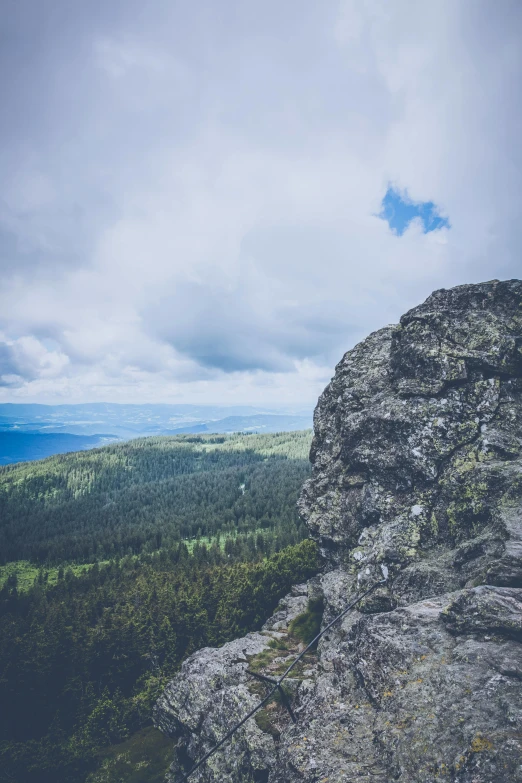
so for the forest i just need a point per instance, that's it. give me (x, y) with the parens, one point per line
(190, 541)
(149, 493)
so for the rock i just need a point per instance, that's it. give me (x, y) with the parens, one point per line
(204, 700)
(289, 608)
(490, 610)
(417, 467)
(213, 691)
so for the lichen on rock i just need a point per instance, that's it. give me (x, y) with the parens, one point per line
(417, 466)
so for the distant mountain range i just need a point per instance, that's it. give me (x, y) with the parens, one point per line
(31, 431)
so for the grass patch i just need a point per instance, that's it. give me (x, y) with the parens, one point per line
(23, 574)
(278, 644)
(263, 659)
(307, 625)
(143, 758)
(263, 718)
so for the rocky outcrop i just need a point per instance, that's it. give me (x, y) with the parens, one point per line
(214, 691)
(417, 465)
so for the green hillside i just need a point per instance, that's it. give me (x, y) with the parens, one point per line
(120, 562)
(149, 493)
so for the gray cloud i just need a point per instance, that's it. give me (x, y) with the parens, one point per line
(8, 364)
(238, 329)
(15, 367)
(188, 192)
(27, 359)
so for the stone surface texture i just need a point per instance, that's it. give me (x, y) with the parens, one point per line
(417, 466)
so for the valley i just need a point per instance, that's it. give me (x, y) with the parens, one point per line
(33, 431)
(119, 562)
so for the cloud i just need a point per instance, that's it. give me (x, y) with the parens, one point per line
(119, 58)
(26, 360)
(274, 334)
(190, 196)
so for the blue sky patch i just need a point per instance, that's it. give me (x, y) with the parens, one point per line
(399, 210)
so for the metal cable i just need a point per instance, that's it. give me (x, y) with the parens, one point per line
(277, 683)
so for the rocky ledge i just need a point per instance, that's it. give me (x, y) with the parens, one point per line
(417, 466)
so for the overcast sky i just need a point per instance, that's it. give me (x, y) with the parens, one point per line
(190, 192)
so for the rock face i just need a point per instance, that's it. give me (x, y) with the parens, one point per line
(417, 465)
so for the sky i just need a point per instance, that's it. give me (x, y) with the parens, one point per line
(212, 202)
